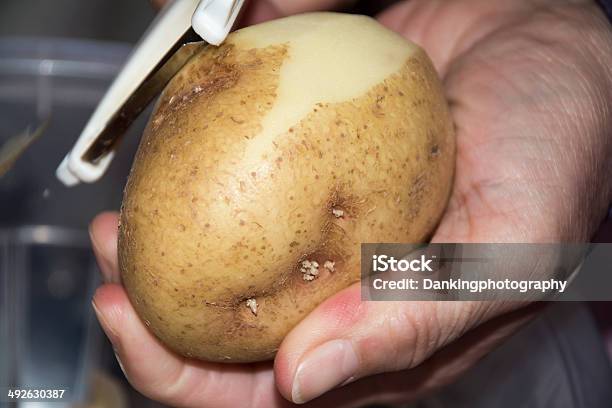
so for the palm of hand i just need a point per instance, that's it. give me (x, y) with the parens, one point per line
(515, 99)
(508, 76)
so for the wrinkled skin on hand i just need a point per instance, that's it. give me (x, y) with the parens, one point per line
(530, 89)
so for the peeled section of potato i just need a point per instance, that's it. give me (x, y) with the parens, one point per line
(266, 163)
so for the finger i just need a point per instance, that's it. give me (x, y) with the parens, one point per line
(444, 367)
(464, 24)
(289, 7)
(103, 232)
(257, 11)
(414, 19)
(164, 376)
(253, 11)
(158, 4)
(354, 339)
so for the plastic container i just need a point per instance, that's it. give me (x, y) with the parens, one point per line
(48, 336)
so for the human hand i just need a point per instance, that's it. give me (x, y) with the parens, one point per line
(256, 11)
(530, 93)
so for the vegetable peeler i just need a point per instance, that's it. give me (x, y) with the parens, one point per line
(172, 39)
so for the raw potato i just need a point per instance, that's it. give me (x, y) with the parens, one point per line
(295, 141)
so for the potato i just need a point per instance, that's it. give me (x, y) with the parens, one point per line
(266, 163)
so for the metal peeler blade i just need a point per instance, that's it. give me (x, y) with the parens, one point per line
(172, 40)
(119, 123)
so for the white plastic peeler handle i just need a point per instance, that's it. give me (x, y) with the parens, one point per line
(211, 19)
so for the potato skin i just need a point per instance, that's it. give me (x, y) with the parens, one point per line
(216, 211)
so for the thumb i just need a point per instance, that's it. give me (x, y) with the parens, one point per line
(345, 339)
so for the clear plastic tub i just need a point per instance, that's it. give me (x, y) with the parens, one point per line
(48, 336)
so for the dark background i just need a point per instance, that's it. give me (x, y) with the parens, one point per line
(112, 20)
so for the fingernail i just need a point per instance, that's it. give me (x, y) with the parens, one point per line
(119, 362)
(105, 326)
(327, 366)
(106, 267)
